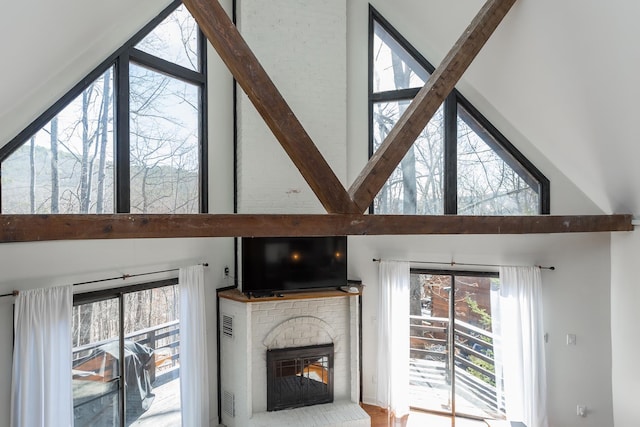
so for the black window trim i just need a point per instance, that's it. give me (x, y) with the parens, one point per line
(120, 61)
(115, 292)
(453, 273)
(498, 142)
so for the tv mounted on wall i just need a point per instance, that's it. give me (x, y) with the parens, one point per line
(275, 264)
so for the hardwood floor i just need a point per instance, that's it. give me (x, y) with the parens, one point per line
(380, 418)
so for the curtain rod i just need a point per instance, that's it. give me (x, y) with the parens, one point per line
(123, 277)
(452, 263)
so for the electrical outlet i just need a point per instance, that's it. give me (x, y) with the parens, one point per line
(571, 339)
(581, 411)
(225, 272)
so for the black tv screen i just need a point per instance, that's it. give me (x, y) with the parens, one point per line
(271, 264)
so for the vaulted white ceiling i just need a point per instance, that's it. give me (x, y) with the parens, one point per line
(48, 46)
(559, 74)
(562, 74)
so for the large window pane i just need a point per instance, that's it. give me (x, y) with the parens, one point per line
(416, 185)
(152, 339)
(394, 68)
(487, 184)
(164, 143)
(175, 40)
(96, 371)
(429, 367)
(66, 167)
(489, 175)
(475, 384)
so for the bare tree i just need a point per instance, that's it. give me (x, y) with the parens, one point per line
(104, 122)
(55, 189)
(32, 174)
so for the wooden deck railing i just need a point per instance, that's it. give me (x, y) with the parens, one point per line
(165, 335)
(474, 357)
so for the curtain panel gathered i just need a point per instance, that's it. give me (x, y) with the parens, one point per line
(393, 337)
(519, 347)
(194, 378)
(41, 394)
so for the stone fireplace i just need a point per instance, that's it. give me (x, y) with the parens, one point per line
(257, 332)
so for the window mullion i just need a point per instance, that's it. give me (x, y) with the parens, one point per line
(203, 126)
(122, 403)
(450, 155)
(122, 140)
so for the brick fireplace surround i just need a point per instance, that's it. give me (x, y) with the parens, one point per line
(251, 326)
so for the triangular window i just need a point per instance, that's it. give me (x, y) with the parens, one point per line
(393, 67)
(459, 164)
(128, 138)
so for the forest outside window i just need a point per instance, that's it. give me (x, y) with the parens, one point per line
(460, 163)
(131, 137)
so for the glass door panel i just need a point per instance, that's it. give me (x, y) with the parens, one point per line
(475, 380)
(95, 369)
(429, 372)
(451, 345)
(152, 357)
(126, 354)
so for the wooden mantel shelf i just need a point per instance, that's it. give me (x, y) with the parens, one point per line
(236, 295)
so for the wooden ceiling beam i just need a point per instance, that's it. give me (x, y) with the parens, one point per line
(254, 80)
(33, 228)
(423, 107)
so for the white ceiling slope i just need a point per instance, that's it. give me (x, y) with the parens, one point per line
(564, 74)
(560, 73)
(48, 46)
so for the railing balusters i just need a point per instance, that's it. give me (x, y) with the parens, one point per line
(469, 341)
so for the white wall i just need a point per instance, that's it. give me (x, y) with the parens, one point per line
(432, 27)
(266, 178)
(37, 265)
(323, 76)
(52, 45)
(301, 44)
(44, 264)
(575, 297)
(625, 318)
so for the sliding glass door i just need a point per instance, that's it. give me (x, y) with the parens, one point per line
(126, 357)
(451, 346)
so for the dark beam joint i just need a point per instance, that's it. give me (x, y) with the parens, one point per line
(247, 70)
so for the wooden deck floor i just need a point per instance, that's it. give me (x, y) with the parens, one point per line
(165, 409)
(380, 418)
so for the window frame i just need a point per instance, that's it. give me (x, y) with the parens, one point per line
(452, 274)
(118, 293)
(502, 147)
(120, 60)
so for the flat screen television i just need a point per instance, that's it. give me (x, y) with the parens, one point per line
(273, 264)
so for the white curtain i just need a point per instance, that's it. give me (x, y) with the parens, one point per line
(41, 392)
(194, 378)
(393, 337)
(519, 346)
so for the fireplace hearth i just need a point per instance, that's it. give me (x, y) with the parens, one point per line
(299, 376)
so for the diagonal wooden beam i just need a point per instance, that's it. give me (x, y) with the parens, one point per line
(382, 164)
(245, 67)
(33, 228)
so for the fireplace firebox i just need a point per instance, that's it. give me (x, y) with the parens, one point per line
(300, 376)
